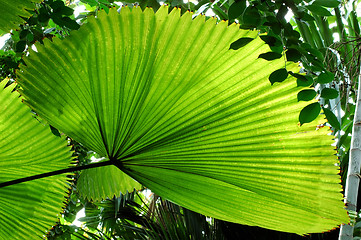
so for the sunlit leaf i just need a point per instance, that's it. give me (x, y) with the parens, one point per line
(27, 148)
(163, 97)
(270, 55)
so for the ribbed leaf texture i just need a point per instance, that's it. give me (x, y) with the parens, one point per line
(27, 148)
(12, 11)
(200, 124)
(105, 182)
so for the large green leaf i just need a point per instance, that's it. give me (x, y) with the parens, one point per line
(27, 147)
(11, 12)
(164, 98)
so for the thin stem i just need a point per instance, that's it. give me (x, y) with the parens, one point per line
(57, 172)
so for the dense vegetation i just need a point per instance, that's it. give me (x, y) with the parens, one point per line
(329, 74)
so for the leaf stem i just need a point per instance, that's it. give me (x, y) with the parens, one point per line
(57, 172)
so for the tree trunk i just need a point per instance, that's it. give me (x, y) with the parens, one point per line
(353, 175)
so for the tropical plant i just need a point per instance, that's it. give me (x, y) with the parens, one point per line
(29, 209)
(13, 12)
(332, 66)
(184, 115)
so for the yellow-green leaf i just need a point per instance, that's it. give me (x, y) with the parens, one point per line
(164, 97)
(27, 148)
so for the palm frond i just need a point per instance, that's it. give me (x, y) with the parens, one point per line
(12, 13)
(163, 97)
(27, 148)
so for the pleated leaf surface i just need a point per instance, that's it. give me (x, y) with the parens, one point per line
(27, 148)
(164, 97)
(105, 182)
(12, 11)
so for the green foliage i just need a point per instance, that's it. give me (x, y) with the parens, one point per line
(9, 63)
(171, 142)
(309, 113)
(306, 95)
(278, 76)
(332, 119)
(28, 148)
(317, 62)
(240, 43)
(325, 77)
(329, 93)
(12, 13)
(316, 9)
(236, 9)
(270, 56)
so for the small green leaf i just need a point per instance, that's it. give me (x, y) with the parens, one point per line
(292, 34)
(20, 46)
(64, 10)
(56, 5)
(329, 93)
(30, 37)
(70, 23)
(23, 33)
(309, 113)
(240, 43)
(306, 95)
(55, 131)
(316, 9)
(43, 15)
(278, 76)
(327, 3)
(282, 11)
(273, 23)
(325, 77)
(236, 9)
(271, 40)
(270, 56)
(332, 119)
(293, 55)
(251, 17)
(302, 80)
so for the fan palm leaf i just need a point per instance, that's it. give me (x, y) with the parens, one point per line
(13, 12)
(164, 98)
(27, 148)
